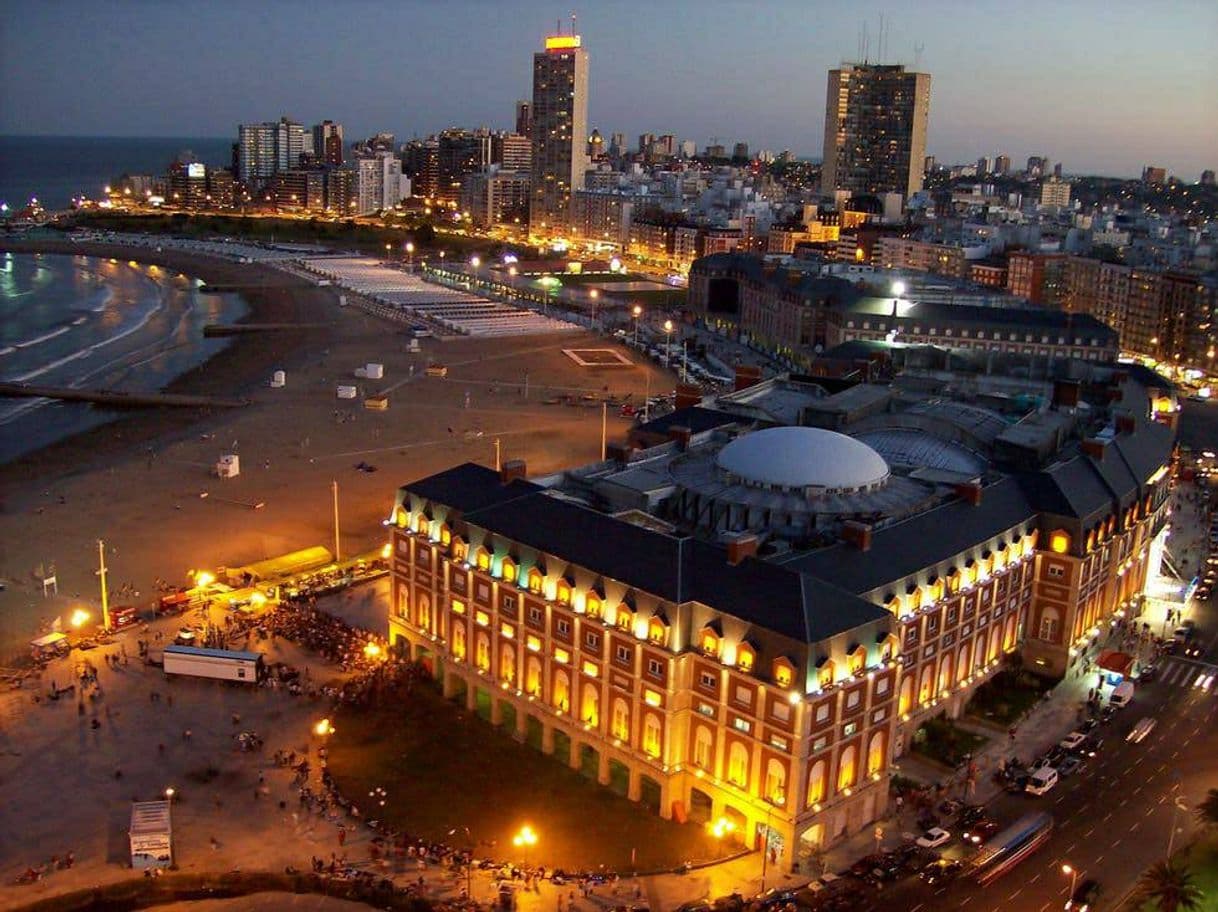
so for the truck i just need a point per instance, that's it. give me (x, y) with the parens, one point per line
(219, 664)
(1122, 695)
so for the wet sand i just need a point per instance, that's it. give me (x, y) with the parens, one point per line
(137, 483)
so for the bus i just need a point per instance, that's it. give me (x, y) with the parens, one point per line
(1012, 846)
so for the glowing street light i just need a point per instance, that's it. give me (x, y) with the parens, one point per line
(525, 840)
(721, 828)
(203, 578)
(372, 650)
(79, 617)
(1073, 875)
(323, 728)
(474, 261)
(169, 793)
(668, 343)
(637, 311)
(898, 289)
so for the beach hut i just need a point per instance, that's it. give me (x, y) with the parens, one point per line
(374, 371)
(228, 466)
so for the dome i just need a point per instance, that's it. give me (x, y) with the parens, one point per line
(801, 457)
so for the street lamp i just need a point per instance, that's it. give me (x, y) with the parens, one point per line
(525, 840)
(1177, 806)
(1073, 874)
(169, 793)
(469, 862)
(323, 728)
(637, 311)
(410, 255)
(667, 343)
(79, 616)
(388, 247)
(898, 289)
(593, 295)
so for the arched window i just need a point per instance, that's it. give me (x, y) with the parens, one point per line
(404, 603)
(738, 765)
(482, 652)
(1050, 624)
(532, 676)
(775, 782)
(962, 658)
(657, 632)
(459, 642)
(508, 570)
(421, 523)
(847, 767)
(590, 708)
(709, 642)
(507, 664)
(875, 753)
(484, 560)
(653, 740)
(562, 691)
(1008, 635)
(536, 580)
(424, 610)
(926, 687)
(905, 701)
(746, 657)
(816, 783)
(703, 747)
(784, 672)
(945, 674)
(621, 720)
(592, 605)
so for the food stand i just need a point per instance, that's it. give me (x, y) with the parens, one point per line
(49, 646)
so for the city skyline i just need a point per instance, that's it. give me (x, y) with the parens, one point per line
(1020, 86)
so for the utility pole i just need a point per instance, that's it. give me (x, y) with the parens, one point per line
(334, 488)
(498, 464)
(101, 573)
(604, 428)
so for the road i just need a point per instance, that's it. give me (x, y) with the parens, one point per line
(1113, 819)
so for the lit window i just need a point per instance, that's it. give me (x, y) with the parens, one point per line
(745, 657)
(710, 643)
(458, 606)
(652, 697)
(533, 643)
(783, 673)
(564, 593)
(536, 580)
(561, 656)
(590, 669)
(508, 631)
(592, 605)
(484, 559)
(508, 570)
(482, 618)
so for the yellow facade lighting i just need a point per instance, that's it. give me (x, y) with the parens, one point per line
(1059, 542)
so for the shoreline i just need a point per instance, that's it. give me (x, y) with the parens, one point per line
(242, 365)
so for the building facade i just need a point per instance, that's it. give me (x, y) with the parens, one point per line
(264, 149)
(559, 131)
(378, 180)
(328, 143)
(875, 129)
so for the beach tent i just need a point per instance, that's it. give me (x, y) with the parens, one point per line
(151, 835)
(300, 561)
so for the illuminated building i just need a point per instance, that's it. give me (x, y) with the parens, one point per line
(1055, 192)
(263, 149)
(559, 130)
(460, 152)
(328, 142)
(1037, 277)
(378, 182)
(751, 623)
(875, 129)
(496, 197)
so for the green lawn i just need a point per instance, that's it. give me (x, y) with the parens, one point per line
(444, 768)
(942, 741)
(1201, 858)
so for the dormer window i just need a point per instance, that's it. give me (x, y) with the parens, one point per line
(746, 657)
(784, 672)
(826, 671)
(484, 559)
(536, 581)
(508, 570)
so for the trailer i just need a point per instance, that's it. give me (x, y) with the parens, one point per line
(220, 664)
(151, 835)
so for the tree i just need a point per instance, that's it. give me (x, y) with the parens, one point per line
(1207, 810)
(1170, 887)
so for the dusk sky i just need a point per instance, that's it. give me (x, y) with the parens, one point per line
(1104, 87)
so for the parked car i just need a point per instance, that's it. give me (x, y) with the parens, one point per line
(864, 865)
(1042, 781)
(934, 838)
(1072, 765)
(1148, 673)
(1072, 741)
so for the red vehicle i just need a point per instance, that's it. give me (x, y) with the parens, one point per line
(122, 616)
(177, 602)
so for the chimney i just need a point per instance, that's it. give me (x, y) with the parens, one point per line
(680, 434)
(1066, 394)
(857, 534)
(740, 547)
(1094, 447)
(619, 452)
(970, 491)
(1125, 424)
(512, 470)
(747, 375)
(688, 394)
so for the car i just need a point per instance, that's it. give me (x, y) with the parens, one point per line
(1084, 896)
(1204, 681)
(980, 830)
(1192, 650)
(934, 838)
(1148, 673)
(1072, 765)
(942, 871)
(970, 813)
(864, 865)
(1139, 732)
(1072, 741)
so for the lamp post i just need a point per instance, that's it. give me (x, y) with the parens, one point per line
(525, 840)
(668, 343)
(593, 295)
(637, 311)
(469, 862)
(1073, 874)
(1177, 806)
(388, 248)
(410, 256)
(101, 574)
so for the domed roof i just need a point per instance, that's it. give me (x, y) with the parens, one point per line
(801, 457)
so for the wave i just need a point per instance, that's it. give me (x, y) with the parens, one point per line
(37, 340)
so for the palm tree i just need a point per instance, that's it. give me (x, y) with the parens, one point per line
(1170, 887)
(1207, 810)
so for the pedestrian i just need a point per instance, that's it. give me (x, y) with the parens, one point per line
(342, 835)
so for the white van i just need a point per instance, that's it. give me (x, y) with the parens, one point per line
(1042, 780)
(1122, 695)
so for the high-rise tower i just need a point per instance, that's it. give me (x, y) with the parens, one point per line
(875, 129)
(559, 130)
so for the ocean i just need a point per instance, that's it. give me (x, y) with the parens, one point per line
(57, 168)
(95, 323)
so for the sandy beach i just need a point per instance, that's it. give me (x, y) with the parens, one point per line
(138, 483)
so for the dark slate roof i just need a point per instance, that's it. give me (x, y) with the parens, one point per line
(1117, 476)
(469, 487)
(694, 417)
(1146, 449)
(918, 542)
(678, 569)
(805, 285)
(1026, 318)
(1069, 488)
